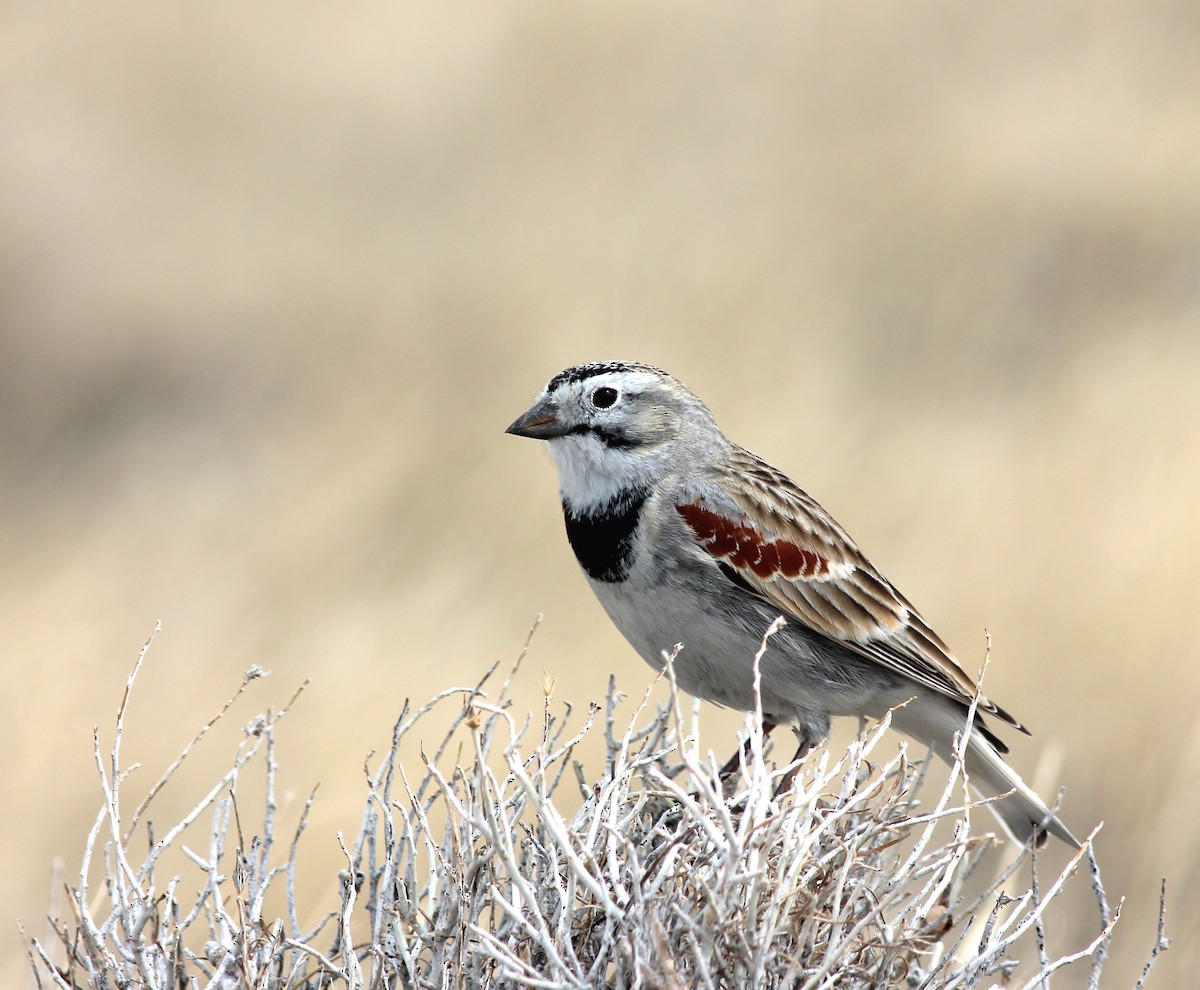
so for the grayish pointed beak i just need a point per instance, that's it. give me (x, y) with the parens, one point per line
(541, 422)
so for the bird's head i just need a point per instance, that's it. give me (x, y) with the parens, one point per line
(615, 426)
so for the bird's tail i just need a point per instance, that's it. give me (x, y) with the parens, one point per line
(1023, 814)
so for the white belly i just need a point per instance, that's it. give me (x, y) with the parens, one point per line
(800, 681)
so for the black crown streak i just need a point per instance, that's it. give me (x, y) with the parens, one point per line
(582, 372)
(603, 540)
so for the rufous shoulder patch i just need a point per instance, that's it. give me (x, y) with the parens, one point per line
(744, 547)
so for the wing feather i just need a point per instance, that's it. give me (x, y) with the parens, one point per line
(775, 540)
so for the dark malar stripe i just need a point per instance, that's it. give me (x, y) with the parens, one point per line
(610, 438)
(603, 540)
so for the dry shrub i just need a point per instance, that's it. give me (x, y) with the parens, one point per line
(471, 873)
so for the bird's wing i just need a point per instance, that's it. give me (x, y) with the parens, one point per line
(775, 541)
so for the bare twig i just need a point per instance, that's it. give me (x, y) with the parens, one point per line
(477, 867)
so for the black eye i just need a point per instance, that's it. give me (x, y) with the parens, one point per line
(604, 397)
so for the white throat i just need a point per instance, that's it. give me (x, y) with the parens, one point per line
(591, 474)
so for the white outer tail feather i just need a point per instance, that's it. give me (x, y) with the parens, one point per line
(1022, 813)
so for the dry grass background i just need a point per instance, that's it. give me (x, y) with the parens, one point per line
(275, 279)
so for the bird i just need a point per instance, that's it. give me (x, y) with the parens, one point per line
(687, 538)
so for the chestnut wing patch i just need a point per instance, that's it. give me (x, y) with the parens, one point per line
(823, 581)
(746, 548)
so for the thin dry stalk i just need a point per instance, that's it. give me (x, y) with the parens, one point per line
(481, 867)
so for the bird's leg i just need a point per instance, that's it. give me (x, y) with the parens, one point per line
(805, 747)
(741, 755)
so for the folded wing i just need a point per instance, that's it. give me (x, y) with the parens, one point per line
(774, 540)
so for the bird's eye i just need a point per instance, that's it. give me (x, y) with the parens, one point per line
(604, 397)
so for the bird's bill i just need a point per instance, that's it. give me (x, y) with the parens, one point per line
(541, 423)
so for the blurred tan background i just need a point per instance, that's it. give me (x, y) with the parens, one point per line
(275, 279)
